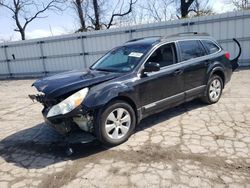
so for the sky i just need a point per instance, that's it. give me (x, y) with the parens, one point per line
(221, 6)
(62, 23)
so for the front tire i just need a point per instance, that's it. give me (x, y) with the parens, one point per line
(115, 123)
(213, 90)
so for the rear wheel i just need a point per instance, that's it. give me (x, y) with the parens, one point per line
(213, 90)
(115, 123)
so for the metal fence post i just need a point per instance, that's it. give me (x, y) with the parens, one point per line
(83, 51)
(40, 43)
(130, 32)
(7, 60)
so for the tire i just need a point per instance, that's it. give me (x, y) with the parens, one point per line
(213, 90)
(115, 123)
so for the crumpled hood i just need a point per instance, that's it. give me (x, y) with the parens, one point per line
(60, 84)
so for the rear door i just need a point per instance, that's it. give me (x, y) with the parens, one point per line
(195, 66)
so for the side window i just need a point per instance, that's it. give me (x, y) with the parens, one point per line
(191, 49)
(210, 46)
(164, 55)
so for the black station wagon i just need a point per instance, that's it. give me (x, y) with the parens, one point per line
(137, 79)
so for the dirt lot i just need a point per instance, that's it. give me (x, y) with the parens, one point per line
(193, 145)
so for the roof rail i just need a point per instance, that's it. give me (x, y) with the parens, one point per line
(136, 39)
(187, 34)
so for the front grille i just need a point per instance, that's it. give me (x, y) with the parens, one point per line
(40, 98)
(48, 102)
(43, 99)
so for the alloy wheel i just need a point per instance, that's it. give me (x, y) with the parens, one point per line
(118, 123)
(215, 89)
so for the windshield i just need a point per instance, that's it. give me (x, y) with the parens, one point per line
(121, 59)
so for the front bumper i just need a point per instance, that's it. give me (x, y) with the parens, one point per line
(63, 124)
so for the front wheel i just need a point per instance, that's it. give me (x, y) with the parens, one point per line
(213, 90)
(115, 123)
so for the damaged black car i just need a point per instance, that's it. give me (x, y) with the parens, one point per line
(140, 78)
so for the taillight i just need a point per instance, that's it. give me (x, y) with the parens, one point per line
(227, 55)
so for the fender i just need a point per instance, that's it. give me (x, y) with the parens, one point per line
(234, 62)
(106, 94)
(213, 69)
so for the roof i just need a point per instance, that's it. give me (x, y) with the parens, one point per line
(188, 35)
(192, 34)
(156, 39)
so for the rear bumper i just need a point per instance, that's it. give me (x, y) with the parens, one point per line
(228, 75)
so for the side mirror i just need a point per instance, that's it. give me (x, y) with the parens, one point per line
(151, 67)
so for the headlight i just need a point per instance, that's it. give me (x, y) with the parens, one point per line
(69, 103)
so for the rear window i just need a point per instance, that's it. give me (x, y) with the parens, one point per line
(210, 46)
(191, 49)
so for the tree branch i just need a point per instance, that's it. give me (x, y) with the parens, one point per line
(7, 6)
(120, 14)
(48, 6)
(20, 8)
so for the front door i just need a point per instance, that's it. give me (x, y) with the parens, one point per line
(159, 89)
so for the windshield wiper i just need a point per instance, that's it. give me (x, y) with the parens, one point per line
(102, 69)
(107, 70)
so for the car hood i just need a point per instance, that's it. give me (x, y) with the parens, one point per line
(60, 84)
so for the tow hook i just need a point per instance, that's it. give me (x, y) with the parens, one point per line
(69, 151)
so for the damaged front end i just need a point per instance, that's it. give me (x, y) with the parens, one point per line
(70, 123)
(38, 97)
(62, 96)
(66, 115)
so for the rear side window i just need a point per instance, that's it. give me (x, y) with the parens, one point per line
(210, 46)
(191, 49)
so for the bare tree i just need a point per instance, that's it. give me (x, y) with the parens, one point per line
(96, 20)
(120, 13)
(117, 12)
(191, 8)
(25, 11)
(184, 7)
(156, 10)
(81, 16)
(99, 14)
(200, 8)
(242, 4)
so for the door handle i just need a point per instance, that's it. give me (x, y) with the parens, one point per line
(178, 72)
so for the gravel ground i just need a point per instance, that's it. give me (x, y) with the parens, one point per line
(193, 145)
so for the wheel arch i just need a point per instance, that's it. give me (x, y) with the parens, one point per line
(99, 111)
(127, 100)
(219, 72)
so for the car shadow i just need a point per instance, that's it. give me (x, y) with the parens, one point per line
(41, 146)
(169, 113)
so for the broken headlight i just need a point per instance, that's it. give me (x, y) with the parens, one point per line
(68, 104)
